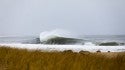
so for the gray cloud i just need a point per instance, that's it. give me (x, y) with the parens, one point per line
(30, 17)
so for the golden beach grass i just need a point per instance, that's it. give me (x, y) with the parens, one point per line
(22, 59)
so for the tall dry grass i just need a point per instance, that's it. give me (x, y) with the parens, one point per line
(21, 59)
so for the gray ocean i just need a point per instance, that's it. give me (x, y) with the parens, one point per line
(88, 38)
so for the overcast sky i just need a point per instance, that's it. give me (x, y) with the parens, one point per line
(87, 17)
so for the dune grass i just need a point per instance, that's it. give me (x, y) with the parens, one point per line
(22, 59)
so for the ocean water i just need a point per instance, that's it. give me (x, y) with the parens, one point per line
(85, 43)
(104, 38)
(88, 39)
(120, 38)
(22, 40)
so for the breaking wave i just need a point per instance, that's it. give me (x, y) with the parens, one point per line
(63, 37)
(59, 37)
(62, 40)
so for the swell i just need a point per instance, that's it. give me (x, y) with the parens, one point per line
(111, 44)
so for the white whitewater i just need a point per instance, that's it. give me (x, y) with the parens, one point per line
(75, 48)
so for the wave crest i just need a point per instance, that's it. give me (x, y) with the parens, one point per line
(58, 37)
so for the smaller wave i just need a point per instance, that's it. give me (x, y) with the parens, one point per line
(111, 44)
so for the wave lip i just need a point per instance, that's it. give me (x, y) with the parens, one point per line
(54, 33)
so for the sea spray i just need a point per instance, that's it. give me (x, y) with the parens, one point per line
(56, 33)
(58, 37)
